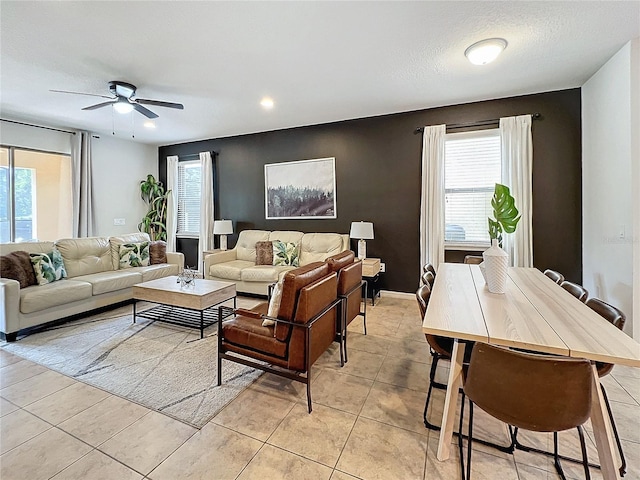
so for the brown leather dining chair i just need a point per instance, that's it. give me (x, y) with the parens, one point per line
(440, 348)
(555, 276)
(473, 259)
(617, 318)
(541, 393)
(576, 290)
(429, 268)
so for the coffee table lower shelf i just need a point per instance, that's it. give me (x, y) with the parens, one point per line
(185, 317)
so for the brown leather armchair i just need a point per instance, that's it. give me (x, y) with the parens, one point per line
(350, 294)
(304, 329)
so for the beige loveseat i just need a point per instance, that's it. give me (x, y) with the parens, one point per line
(239, 264)
(93, 280)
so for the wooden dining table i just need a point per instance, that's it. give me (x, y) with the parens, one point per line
(533, 314)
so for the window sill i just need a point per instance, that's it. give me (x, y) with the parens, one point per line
(471, 247)
(187, 235)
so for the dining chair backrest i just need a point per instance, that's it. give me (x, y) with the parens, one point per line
(576, 290)
(541, 393)
(473, 259)
(428, 278)
(429, 268)
(422, 295)
(555, 276)
(614, 316)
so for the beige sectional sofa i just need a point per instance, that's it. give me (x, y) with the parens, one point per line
(239, 264)
(94, 280)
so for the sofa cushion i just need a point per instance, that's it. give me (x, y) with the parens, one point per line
(134, 255)
(316, 247)
(286, 236)
(286, 254)
(84, 256)
(115, 242)
(264, 253)
(157, 252)
(263, 273)
(48, 267)
(152, 272)
(17, 266)
(246, 245)
(230, 270)
(41, 297)
(31, 247)
(105, 282)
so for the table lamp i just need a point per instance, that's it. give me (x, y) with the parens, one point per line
(362, 231)
(222, 228)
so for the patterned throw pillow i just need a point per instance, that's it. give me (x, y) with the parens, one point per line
(274, 305)
(48, 267)
(285, 253)
(134, 255)
(264, 253)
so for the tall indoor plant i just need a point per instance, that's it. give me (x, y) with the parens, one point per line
(496, 260)
(154, 222)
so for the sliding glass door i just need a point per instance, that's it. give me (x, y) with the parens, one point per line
(35, 195)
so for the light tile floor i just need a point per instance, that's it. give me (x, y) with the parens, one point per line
(366, 422)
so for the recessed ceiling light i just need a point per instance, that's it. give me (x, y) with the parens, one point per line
(485, 51)
(266, 102)
(149, 124)
(123, 106)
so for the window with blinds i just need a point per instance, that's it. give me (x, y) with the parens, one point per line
(189, 175)
(472, 168)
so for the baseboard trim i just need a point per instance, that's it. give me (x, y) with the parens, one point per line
(392, 294)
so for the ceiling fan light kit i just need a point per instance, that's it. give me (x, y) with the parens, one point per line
(125, 100)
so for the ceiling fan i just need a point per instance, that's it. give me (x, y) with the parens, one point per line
(125, 100)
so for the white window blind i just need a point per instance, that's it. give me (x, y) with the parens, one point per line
(189, 174)
(472, 168)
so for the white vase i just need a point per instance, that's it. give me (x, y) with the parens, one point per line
(483, 271)
(496, 262)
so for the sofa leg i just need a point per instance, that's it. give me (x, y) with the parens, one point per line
(10, 337)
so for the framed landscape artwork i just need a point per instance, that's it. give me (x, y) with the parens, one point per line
(302, 189)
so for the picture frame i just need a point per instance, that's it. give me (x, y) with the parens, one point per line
(303, 189)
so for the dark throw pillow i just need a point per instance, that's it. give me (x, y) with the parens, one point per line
(264, 253)
(17, 266)
(158, 252)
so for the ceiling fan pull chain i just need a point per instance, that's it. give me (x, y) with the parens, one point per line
(113, 123)
(133, 127)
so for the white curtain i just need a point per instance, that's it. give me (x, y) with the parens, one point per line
(517, 164)
(432, 197)
(172, 202)
(81, 185)
(206, 205)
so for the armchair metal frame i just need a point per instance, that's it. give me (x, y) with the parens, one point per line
(303, 377)
(343, 318)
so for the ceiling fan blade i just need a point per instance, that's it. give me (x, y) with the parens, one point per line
(80, 93)
(144, 111)
(159, 103)
(100, 105)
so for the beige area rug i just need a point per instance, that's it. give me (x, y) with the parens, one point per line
(161, 366)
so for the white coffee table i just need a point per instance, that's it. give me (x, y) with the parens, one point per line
(190, 306)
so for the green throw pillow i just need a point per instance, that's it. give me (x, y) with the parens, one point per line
(285, 253)
(134, 255)
(48, 267)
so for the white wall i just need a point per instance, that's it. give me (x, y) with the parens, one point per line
(607, 185)
(118, 168)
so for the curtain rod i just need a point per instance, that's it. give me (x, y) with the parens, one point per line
(37, 126)
(194, 155)
(480, 123)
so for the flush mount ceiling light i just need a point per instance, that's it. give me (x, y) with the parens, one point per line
(485, 51)
(267, 102)
(123, 106)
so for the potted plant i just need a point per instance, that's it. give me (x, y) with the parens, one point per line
(155, 221)
(496, 260)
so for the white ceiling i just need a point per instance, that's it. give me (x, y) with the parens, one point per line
(319, 61)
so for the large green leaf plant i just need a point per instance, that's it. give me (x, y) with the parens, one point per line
(154, 222)
(505, 212)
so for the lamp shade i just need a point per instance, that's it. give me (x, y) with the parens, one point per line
(361, 230)
(222, 227)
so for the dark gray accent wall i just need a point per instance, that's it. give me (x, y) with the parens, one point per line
(378, 170)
